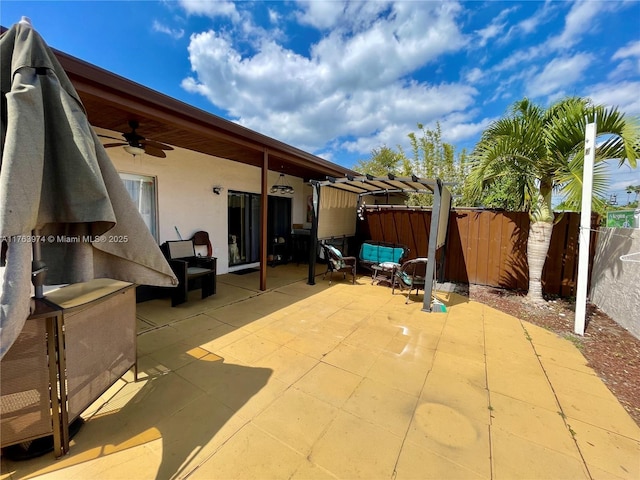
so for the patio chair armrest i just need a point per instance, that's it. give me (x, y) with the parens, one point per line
(350, 261)
(179, 267)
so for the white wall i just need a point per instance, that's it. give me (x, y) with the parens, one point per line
(615, 283)
(184, 183)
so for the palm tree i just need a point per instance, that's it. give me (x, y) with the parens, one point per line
(541, 151)
(632, 189)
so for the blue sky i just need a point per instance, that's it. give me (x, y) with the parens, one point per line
(340, 78)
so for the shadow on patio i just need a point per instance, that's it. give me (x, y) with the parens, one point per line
(345, 381)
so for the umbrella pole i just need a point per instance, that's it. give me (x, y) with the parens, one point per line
(38, 267)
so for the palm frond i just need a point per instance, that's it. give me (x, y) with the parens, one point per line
(547, 145)
(571, 181)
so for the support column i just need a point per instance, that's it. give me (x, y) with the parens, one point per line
(313, 240)
(584, 236)
(433, 241)
(264, 202)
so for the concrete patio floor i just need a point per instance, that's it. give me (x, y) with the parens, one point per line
(346, 381)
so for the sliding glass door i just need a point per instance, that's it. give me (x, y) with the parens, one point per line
(244, 228)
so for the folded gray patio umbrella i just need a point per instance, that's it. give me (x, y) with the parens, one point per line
(57, 182)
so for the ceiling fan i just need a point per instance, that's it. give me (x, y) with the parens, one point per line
(136, 144)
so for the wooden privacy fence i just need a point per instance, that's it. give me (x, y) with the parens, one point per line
(484, 247)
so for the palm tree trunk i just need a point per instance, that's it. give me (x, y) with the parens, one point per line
(537, 248)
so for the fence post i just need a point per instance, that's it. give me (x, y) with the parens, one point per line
(585, 227)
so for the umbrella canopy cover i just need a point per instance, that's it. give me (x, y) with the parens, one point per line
(57, 180)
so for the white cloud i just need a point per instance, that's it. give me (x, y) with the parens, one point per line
(217, 8)
(321, 15)
(458, 128)
(581, 20)
(631, 49)
(172, 32)
(242, 25)
(519, 58)
(344, 14)
(558, 74)
(490, 31)
(624, 69)
(623, 95)
(576, 24)
(474, 75)
(274, 17)
(406, 107)
(495, 28)
(630, 64)
(531, 24)
(351, 83)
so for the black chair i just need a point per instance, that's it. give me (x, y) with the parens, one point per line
(338, 263)
(411, 274)
(189, 268)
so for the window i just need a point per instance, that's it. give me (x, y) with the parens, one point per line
(142, 190)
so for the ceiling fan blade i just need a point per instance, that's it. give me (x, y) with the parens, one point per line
(153, 151)
(107, 136)
(158, 145)
(134, 139)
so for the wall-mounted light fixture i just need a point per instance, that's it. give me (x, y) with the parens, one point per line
(218, 189)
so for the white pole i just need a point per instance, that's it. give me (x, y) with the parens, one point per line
(585, 227)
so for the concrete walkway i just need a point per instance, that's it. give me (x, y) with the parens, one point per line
(346, 381)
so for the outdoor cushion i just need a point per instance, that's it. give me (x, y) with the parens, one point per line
(338, 261)
(380, 253)
(197, 270)
(336, 252)
(389, 265)
(181, 249)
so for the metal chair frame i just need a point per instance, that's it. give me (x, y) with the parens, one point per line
(415, 269)
(333, 261)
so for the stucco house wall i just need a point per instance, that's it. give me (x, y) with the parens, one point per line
(184, 189)
(615, 281)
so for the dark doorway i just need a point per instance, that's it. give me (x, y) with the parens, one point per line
(279, 229)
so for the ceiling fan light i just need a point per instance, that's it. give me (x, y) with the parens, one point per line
(133, 150)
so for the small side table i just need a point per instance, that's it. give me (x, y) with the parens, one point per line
(383, 272)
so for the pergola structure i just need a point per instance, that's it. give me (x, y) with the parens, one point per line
(369, 185)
